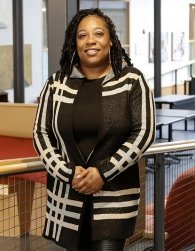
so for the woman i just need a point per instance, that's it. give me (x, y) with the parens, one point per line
(94, 122)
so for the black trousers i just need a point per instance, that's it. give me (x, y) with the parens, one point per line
(87, 244)
(104, 245)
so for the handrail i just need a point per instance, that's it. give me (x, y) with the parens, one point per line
(171, 147)
(8, 167)
(18, 168)
(18, 160)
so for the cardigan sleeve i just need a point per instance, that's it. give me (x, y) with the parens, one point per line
(44, 138)
(142, 132)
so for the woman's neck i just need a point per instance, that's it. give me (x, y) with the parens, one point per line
(95, 72)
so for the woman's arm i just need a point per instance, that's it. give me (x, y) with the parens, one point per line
(142, 132)
(44, 139)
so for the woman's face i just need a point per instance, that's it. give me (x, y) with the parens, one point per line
(93, 42)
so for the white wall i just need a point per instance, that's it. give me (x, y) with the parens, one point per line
(33, 35)
(175, 18)
(6, 21)
(32, 22)
(6, 35)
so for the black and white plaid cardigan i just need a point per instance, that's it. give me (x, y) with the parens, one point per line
(127, 130)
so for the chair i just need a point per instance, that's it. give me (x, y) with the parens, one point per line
(180, 212)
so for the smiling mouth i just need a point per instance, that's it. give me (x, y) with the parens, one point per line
(91, 52)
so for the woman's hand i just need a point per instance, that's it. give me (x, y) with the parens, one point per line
(89, 181)
(76, 179)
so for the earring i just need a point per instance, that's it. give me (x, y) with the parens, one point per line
(110, 56)
(72, 58)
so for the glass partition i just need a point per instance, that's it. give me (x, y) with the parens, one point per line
(118, 11)
(35, 48)
(35, 44)
(6, 45)
(134, 25)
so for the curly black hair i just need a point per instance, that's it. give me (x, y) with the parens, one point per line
(69, 54)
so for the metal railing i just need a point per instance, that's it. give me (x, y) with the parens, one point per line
(158, 152)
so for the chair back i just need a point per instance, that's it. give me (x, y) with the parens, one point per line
(180, 212)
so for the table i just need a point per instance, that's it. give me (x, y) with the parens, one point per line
(174, 100)
(186, 114)
(167, 120)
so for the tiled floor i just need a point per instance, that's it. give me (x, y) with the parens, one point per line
(34, 243)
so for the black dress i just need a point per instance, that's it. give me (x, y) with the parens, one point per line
(86, 122)
(86, 116)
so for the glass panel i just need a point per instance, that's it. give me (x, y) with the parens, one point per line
(34, 45)
(45, 42)
(192, 33)
(6, 47)
(118, 11)
(35, 48)
(134, 22)
(176, 68)
(141, 34)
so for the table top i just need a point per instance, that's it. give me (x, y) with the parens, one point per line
(175, 98)
(175, 113)
(167, 120)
